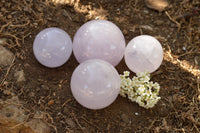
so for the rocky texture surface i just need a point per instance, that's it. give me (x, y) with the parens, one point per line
(19, 75)
(14, 119)
(159, 5)
(6, 56)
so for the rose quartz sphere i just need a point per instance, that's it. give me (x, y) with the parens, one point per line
(52, 47)
(143, 53)
(99, 39)
(95, 84)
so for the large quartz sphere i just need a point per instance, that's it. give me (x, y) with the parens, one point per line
(95, 84)
(99, 39)
(143, 53)
(52, 47)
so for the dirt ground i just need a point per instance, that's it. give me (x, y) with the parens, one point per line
(48, 90)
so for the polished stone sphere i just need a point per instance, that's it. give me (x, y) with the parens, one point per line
(143, 53)
(52, 47)
(95, 84)
(99, 39)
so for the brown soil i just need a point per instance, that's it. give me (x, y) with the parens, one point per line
(48, 90)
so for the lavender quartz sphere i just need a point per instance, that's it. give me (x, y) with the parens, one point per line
(99, 39)
(95, 84)
(52, 47)
(143, 53)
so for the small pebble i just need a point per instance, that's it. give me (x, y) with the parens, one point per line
(136, 113)
(19, 75)
(97, 17)
(70, 122)
(125, 118)
(146, 27)
(146, 11)
(9, 16)
(66, 110)
(2, 41)
(6, 56)
(3, 9)
(159, 5)
(159, 22)
(125, 32)
(37, 89)
(27, 65)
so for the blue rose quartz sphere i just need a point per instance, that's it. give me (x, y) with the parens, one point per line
(95, 84)
(52, 47)
(143, 53)
(99, 39)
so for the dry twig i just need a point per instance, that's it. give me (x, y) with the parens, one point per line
(13, 36)
(4, 26)
(173, 20)
(66, 102)
(77, 122)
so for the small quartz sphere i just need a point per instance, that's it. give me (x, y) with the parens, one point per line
(52, 47)
(143, 53)
(95, 84)
(99, 39)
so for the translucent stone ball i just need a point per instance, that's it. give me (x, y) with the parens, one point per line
(99, 39)
(143, 53)
(95, 84)
(52, 47)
